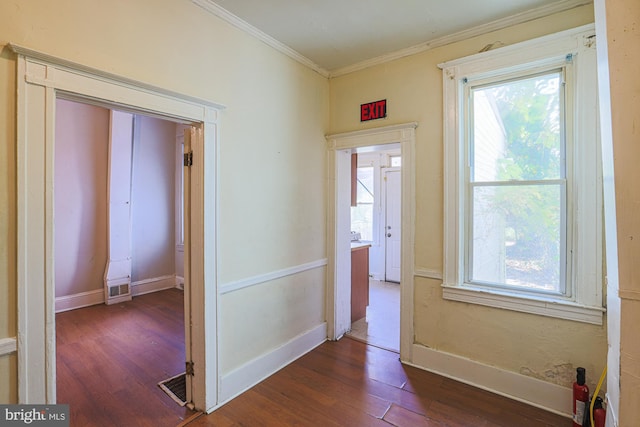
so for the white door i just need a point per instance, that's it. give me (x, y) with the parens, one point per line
(392, 230)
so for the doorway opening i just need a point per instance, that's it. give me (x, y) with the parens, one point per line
(339, 267)
(376, 232)
(42, 80)
(118, 235)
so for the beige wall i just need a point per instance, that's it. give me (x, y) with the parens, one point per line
(8, 385)
(537, 346)
(272, 197)
(153, 200)
(623, 37)
(8, 367)
(82, 149)
(298, 299)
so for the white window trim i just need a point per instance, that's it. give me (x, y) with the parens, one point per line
(583, 301)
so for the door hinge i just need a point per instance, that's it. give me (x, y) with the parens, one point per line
(189, 368)
(188, 158)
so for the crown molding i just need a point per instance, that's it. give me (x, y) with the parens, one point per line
(499, 24)
(232, 19)
(519, 18)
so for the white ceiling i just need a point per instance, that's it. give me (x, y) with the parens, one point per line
(338, 34)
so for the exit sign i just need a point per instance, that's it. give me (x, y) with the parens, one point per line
(373, 110)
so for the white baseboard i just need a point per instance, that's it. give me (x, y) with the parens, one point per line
(86, 299)
(179, 282)
(251, 373)
(8, 346)
(154, 284)
(82, 299)
(427, 273)
(532, 391)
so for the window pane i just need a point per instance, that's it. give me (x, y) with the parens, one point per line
(362, 214)
(517, 131)
(362, 221)
(396, 161)
(365, 185)
(516, 236)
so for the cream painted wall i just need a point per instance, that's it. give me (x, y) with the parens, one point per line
(81, 152)
(8, 320)
(153, 199)
(298, 298)
(540, 347)
(272, 208)
(8, 385)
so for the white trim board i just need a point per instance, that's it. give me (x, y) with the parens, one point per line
(154, 284)
(427, 273)
(251, 373)
(8, 346)
(79, 300)
(532, 391)
(530, 304)
(340, 146)
(65, 64)
(273, 275)
(95, 297)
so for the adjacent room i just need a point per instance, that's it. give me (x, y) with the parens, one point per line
(376, 246)
(119, 270)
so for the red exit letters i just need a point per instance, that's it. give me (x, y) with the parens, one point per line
(373, 110)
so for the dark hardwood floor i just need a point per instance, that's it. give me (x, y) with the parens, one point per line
(348, 383)
(110, 359)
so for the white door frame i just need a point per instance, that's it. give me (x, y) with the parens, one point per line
(338, 227)
(40, 80)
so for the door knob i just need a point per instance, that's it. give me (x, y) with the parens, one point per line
(388, 234)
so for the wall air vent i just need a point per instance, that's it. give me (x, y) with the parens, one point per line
(115, 291)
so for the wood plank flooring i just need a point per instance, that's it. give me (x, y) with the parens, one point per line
(110, 359)
(348, 383)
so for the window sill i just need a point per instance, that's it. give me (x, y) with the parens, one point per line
(544, 306)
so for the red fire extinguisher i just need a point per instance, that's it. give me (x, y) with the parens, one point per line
(599, 413)
(580, 397)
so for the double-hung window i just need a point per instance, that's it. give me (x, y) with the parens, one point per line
(522, 178)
